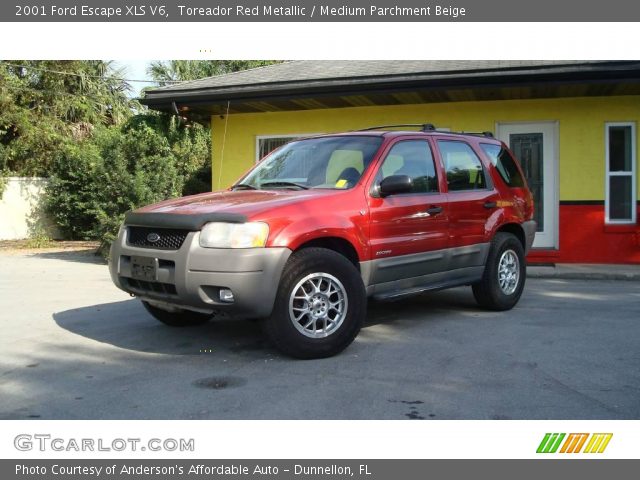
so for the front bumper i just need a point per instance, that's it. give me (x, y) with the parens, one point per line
(191, 277)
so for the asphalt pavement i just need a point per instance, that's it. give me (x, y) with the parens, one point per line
(74, 347)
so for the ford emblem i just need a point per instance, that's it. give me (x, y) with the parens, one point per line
(153, 237)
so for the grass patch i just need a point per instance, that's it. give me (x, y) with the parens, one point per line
(58, 245)
(40, 240)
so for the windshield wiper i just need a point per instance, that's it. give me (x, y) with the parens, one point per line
(284, 184)
(243, 185)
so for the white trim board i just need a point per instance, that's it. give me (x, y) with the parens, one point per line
(550, 237)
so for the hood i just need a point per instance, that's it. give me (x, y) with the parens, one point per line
(241, 202)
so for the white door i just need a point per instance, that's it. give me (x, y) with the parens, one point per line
(535, 146)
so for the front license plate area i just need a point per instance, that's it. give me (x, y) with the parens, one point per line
(144, 268)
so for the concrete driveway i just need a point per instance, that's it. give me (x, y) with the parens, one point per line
(74, 347)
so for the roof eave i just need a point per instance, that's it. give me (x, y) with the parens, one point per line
(584, 73)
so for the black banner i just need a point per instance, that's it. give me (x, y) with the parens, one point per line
(327, 469)
(318, 11)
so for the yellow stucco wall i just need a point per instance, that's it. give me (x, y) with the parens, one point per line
(580, 123)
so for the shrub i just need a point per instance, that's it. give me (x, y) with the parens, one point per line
(71, 192)
(96, 180)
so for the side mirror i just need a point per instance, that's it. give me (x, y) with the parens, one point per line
(395, 184)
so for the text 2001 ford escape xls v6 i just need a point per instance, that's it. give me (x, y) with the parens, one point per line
(325, 222)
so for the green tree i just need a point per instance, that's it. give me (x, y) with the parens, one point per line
(95, 181)
(193, 151)
(105, 154)
(44, 104)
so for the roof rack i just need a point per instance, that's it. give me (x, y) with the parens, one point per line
(486, 133)
(425, 127)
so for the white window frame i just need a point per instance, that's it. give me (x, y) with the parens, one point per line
(632, 173)
(268, 137)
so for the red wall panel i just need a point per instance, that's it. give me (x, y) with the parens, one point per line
(584, 238)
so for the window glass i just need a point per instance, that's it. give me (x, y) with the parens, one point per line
(323, 162)
(414, 159)
(268, 145)
(341, 160)
(504, 163)
(620, 194)
(620, 176)
(463, 167)
(620, 149)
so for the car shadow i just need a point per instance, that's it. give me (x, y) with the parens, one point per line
(423, 307)
(128, 325)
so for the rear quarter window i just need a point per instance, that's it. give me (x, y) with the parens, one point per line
(504, 163)
(462, 165)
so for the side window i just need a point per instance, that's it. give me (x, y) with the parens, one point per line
(463, 167)
(504, 163)
(412, 158)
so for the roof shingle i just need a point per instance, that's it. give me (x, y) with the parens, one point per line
(314, 70)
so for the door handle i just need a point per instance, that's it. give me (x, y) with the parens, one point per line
(434, 210)
(490, 205)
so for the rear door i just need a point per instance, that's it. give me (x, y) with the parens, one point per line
(472, 202)
(409, 231)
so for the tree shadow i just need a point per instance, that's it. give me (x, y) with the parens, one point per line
(39, 221)
(88, 255)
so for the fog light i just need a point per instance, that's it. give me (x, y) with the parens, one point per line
(226, 295)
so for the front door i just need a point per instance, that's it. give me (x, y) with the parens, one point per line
(534, 145)
(409, 231)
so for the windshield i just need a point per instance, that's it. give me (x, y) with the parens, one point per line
(327, 162)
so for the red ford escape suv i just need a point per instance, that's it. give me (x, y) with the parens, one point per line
(322, 223)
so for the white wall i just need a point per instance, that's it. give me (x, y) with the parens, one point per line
(21, 209)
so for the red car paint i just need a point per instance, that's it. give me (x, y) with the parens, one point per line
(376, 227)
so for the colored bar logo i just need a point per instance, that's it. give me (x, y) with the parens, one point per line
(574, 443)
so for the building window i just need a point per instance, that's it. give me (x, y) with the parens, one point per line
(265, 144)
(620, 202)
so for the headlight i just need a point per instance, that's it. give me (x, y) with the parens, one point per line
(234, 235)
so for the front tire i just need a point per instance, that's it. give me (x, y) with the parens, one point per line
(179, 318)
(320, 306)
(504, 274)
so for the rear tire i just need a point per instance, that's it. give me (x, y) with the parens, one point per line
(320, 306)
(179, 318)
(504, 274)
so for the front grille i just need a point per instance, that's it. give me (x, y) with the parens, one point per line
(155, 287)
(167, 238)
